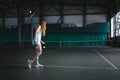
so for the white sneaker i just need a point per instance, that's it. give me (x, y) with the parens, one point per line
(39, 65)
(29, 63)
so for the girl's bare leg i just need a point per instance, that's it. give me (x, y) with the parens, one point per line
(37, 55)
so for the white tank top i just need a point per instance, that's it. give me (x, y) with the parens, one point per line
(38, 37)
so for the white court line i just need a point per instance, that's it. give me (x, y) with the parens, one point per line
(55, 66)
(76, 67)
(106, 59)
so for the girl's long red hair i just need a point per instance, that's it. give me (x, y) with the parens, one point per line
(43, 27)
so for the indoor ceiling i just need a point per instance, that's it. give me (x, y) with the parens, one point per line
(36, 3)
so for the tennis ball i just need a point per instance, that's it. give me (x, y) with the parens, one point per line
(43, 46)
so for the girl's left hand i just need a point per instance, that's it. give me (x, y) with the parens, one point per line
(43, 42)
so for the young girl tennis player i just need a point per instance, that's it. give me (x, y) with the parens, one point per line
(39, 32)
